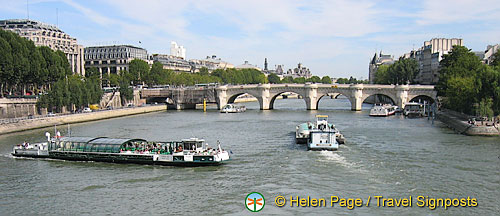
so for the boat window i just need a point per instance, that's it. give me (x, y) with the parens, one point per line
(88, 147)
(115, 148)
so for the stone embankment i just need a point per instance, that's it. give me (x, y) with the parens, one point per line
(459, 122)
(29, 124)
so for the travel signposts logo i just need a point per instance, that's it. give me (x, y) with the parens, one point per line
(255, 202)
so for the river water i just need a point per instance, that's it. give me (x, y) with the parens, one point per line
(392, 157)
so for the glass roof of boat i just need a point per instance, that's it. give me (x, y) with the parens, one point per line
(79, 139)
(98, 140)
(113, 141)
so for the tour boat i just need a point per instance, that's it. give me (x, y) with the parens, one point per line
(319, 136)
(414, 110)
(383, 110)
(233, 108)
(187, 152)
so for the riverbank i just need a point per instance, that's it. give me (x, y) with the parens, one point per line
(29, 124)
(459, 122)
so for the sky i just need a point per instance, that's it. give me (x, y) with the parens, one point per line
(335, 38)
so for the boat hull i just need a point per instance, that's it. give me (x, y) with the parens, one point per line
(176, 160)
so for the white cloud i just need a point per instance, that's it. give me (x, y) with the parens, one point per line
(453, 11)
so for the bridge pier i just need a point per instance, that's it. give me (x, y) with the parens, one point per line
(265, 97)
(311, 96)
(357, 96)
(401, 95)
(221, 97)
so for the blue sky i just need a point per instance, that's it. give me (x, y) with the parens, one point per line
(335, 38)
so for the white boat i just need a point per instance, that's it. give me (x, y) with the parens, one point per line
(233, 108)
(302, 131)
(323, 136)
(187, 152)
(414, 110)
(383, 110)
(35, 150)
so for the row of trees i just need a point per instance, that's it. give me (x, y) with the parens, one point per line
(27, 68)
(469, 86)
(273, 78)
(73, 92)
(403, 71)
(351, 80)
(140, 73)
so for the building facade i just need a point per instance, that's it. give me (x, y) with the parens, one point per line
(299, 71)
(174, 63)
(177, 51)
(112, 59)
(247, 65)
(429, 56)
(490, 51)
(377, 60)
(48, 35)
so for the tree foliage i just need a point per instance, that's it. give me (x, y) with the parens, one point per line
(402, 71)
(27, 68)
(326, 80)
(496, 59)
(467, 85)
(273, 78)
(73, 92)
(351, 80)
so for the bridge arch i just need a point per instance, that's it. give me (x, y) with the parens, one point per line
(231, 96)
(275, 95)
(335, 96)
(422, 97)
(390, 96)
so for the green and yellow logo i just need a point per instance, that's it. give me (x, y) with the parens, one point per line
(255, 202)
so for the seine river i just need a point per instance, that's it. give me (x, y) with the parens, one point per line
(392, 157)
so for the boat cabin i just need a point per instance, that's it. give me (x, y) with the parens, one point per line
(128, 146)
(322, 122)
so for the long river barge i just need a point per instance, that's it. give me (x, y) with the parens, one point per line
(187, 152)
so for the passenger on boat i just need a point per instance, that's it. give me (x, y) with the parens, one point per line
(179, 149)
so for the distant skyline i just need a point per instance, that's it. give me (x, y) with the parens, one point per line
(334, 38)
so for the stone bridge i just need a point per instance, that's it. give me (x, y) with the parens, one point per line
(266, 94)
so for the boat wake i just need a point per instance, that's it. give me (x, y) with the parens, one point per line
(333, 156)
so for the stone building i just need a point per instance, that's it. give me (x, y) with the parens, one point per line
(173, 63)
(377, 60)
(429, 56)
(177, 51)
(489, 52)
(299, 71)
(247, 65)
(43, 34)
(112, 59)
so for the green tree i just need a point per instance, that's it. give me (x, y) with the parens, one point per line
(484, 108)
(92, 72)
(460, 80)
(204, 71)
(300, 80)
(137, 69)
(382, 75)
(273, 78)
(326, 80)
(314, 79)
(402, 71)
(496, 59)
(287, 79)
